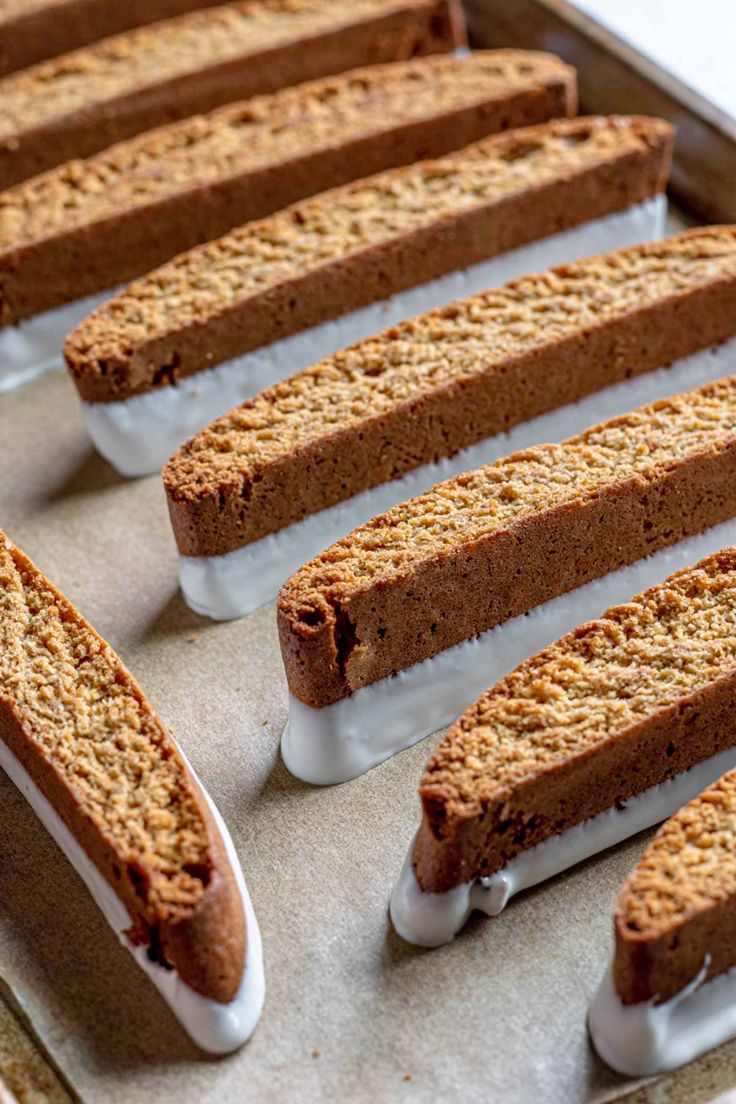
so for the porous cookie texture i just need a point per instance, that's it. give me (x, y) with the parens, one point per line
(79, 103)
(491, 544)
(81, 727)
(444, 381)
(617, 706)
(361, 243)
(32, 30)
(675, 913)
(88, 225)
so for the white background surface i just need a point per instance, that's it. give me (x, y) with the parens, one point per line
(694, 39)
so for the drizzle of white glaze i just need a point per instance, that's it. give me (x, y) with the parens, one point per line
(138, 435)
(432, 919)
(340, 741)
(237, 583)
(216, 1028)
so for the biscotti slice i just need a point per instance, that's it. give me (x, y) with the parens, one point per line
(261, 490)
(337, 268)
(418, 592)
(82, 102)
(604, 733)
(670, 994)
(82, 743)
(89, 225)
(32, 30)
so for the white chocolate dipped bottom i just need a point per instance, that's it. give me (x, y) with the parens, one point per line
(216, 1028)
(137, 435)
(432, 919)
(239, 582)
(343, 740)
(35, 346)
(644, 1039)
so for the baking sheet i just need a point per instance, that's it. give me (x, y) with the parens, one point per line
(351, 1012)
(614, 76)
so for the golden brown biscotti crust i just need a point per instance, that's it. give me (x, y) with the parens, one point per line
(676, 912)
(362, 243)
(617, 706)
(88, 224)
(479, 549)
(80, 103)
(33, 30)
(80, 725)
(445, 381)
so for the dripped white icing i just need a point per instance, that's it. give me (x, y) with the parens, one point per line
(35, 345)
(237, 583)
(345, 739)
(432, 919)
(645, 1039)
(138, 435)
(216, 1028)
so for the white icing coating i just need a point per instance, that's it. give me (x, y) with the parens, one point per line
(216, 1028)
(432, 919)
(340, 741)
(237, 583)
(138, 435)
(34, 346)
(645, 1039)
